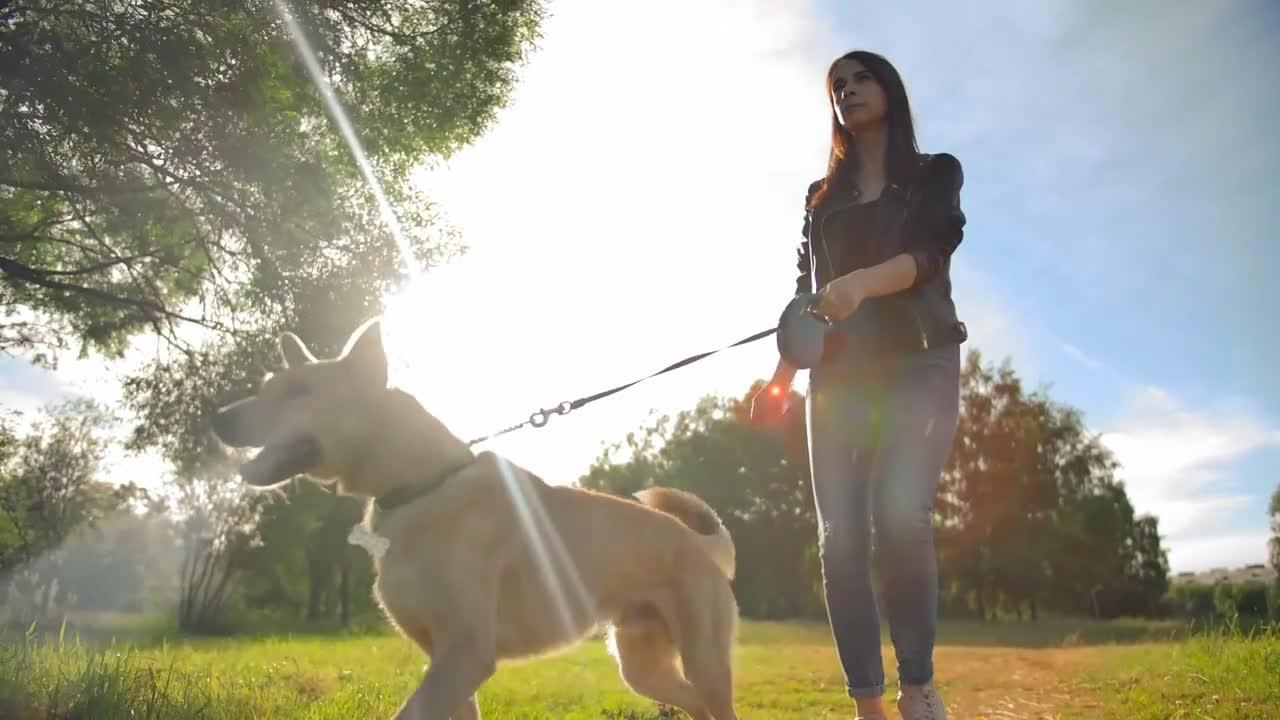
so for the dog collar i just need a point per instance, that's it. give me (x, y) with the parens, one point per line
(406, 494)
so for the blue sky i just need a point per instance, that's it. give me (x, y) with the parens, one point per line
(640, 201)
(1121, 189)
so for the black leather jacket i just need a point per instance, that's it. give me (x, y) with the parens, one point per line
(922, 218)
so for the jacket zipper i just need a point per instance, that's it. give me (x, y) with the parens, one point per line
(822, 235)
(831, 271)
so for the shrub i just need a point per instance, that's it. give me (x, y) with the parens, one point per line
(1251, 599)
(1192, 602)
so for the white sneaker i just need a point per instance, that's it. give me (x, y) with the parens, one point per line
(921, 702)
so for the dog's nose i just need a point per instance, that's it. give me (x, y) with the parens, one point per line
(223, 425)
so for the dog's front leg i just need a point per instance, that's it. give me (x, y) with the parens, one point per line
(464, 657)
(447, 691)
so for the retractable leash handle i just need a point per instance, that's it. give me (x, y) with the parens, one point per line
(802, 333)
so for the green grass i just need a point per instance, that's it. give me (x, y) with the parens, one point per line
(1131, 669)
(1223, 672)
(317, 677)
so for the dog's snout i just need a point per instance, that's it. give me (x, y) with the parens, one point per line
(224, 425)
(228, 424)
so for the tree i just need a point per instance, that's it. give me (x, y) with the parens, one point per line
(1273, 545)
(304, 565)
(172, 167)
(168, 166)
(1149, 569)
(1031, 514)
(11, 519)
(49, 490)
(127, 562)
(993, 499)
(755, 480)
(218, 519)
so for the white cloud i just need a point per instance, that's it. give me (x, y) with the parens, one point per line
(1228, 550)
(26, 403)
(29, 389)
(25, 387)
(1174, 465)
(1081, 356)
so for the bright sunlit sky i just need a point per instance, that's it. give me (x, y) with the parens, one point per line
(641, 200)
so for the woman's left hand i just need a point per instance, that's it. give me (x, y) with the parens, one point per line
(841, 297)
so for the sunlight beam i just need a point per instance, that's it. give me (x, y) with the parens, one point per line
(564, 584)
(348, 133)
(575, 607)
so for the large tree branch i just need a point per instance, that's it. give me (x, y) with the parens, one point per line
(51, 185)
(140, 278)
(362, 17)
(151, 310)
(207, 246)
(27, 334)
(34, 231)
(142, 157)
(98, 267)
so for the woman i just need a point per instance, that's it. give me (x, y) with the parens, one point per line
(883, 404)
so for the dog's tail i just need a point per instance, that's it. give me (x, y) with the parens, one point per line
(698, 516)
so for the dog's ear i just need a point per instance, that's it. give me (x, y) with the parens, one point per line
(292, 351)
(366, 355)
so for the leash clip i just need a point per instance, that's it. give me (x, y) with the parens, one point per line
(540, 418)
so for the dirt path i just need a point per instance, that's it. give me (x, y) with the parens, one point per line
(1017, 684)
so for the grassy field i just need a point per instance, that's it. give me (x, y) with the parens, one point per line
(1052, 669)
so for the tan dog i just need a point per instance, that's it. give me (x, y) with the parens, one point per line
(484, 561)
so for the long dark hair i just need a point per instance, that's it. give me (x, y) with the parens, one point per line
(902, 151)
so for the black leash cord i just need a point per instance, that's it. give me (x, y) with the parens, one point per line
(540, 418)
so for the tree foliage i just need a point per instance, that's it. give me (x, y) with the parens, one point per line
(50, 490)
(171, 167)
(304, 568)
(126, 562)
(1030, 516)
(217, 525)
(170, 163)
(757, 480)
(1273, 545)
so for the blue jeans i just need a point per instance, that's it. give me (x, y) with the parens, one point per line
(880, 429)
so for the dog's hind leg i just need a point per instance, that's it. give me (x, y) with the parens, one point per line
(709, 619)
(647, 661)
(469, 710)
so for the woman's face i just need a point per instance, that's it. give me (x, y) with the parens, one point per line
(858, 100)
